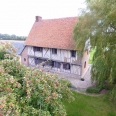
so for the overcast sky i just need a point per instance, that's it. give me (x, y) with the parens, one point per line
(18, 16)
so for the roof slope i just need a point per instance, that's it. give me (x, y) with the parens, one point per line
(19, 46)
(53, 33)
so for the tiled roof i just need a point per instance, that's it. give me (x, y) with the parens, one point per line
(19, 46)
(53, 33)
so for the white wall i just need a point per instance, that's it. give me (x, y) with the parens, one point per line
(75, 69)
(62, 55)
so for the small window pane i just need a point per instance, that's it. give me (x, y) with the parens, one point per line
(73, 53)
(39, 49)
(66, 66)
(54, 51)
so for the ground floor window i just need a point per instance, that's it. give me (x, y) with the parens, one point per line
(53, 64)
(56, 65)
(66, 66)
(38, 61)
(24, 59)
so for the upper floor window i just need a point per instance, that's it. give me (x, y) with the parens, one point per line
(37, 49)
(54, 51)
(73, 53)
(85, 64)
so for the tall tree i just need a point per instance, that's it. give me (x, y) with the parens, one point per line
(98, 23)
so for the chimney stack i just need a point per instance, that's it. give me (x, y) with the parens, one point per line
(38, 18)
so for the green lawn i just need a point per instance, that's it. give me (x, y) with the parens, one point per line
(90, 106)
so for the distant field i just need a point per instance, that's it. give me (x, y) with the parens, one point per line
(10, 41)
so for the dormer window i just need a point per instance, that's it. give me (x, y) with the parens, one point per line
(73, 53)
(54, 51)
(37, 49)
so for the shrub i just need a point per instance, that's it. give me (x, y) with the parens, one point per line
(2, 55)
(93, 89)
(67, 82)
(36, 94)
(31, 92)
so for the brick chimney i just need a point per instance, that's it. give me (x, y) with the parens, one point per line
(38, 18)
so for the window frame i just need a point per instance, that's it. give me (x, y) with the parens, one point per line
(66, 65)
(37, 49)
(73, 53)
(54, 51)
(25, 59)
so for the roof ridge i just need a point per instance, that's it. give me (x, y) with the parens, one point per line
(61, 18)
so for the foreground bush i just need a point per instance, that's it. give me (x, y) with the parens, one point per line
(31, 92)
(37, 93)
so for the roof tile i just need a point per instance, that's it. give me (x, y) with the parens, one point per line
(52, 33)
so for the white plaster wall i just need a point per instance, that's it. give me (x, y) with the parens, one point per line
(46, 53)
(62, 55)
(75, 69)
(56, 56)
(38, 54)
(85, 59)
(65, 55)
(30, 51)
(31, 62)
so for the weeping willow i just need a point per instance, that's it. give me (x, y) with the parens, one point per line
(97, 22)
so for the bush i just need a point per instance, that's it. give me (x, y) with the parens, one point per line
(31, 92)
(2, 55)
(93, 89)
(67, 82)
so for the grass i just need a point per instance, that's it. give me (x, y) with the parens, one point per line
(90, 106)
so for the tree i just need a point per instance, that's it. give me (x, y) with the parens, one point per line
(11, 37)
(30, 92)
(98, 23)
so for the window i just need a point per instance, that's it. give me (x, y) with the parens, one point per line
(85, 64)
(73, 53)
(66, 66)
(24, 59)
(54, 51)
(36, 60)
(39, 49)
(57, 64)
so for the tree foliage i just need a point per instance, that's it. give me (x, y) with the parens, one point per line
(11, 37)
(2, 55)
(29, 91)
(98, 23)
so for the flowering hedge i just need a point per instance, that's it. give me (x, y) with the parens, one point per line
(31, 92)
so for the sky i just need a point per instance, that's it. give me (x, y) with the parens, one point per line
(18, 16)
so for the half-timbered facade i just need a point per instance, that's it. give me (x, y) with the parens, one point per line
(50, 46)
